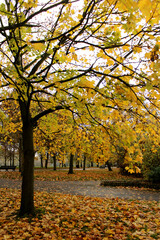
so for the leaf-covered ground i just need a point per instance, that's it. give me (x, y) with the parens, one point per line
(62, 175)
(76, 217)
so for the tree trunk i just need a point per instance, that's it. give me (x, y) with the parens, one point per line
(77, 164)
(21, 159)
(46, 162)
(10, 156)
(54, 162)
(109, 165)
(84, 163)
(71, 164)
(27, 196)
(41, 156)
(81, 163)
(13, 155)
(5, 155)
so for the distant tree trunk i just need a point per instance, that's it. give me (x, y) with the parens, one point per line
(91, 164)
(13, 153)
(5, 155)
(41, 157)
(109, 165)
(81, 163)
(27, 202)
(71, 164)
(46, 162)
(84, 162)
(77, 164)
(54, 162)
(10, 156)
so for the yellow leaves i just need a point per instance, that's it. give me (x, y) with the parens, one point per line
(126, 48)
(131, 149)
(109, 233)
(137, 49)
(91, 48)
(38, 46)
(30, 3)
(109, 60)
(79, 16)
(128, 158)
(2, 9)
(127, 168)
(72, 49)
(148, 55)
(139, 157)
(86, 83)
(128, 5)
(74, 56)
(119, 59)
(79, 217)
(130, 170)
(151, 12)
(100, 54)
(137, 169)
(143, 3)
(72, 11)
(131, 96)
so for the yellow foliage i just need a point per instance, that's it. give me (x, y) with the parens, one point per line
(152, 11)
(131, 170)
(137, 169)
(86, 83)
(137, 49)
(38, 46)
(91, 48)
(72, 49)
(126, 47)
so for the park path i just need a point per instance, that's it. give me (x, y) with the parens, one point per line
(85, 188)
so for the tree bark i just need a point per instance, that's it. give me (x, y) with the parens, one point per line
(13, 155)
(46, 162)
(41, 156)
(5, 155)
(21, 159)
(81, 163)
(10, 155)
(54, 162)
(27, 195)
(71, 164)
(84, 163)
(109, 165)
(77, 164)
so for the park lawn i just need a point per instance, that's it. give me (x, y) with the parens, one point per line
(79, 218)
(62, 175)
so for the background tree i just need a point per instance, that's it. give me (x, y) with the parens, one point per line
(10, 132)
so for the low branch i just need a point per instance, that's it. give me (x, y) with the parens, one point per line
(45, 112)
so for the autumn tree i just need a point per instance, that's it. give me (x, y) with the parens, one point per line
(80, 56)
(51, 133)
(10, 132)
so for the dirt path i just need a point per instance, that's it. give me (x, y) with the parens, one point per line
(87, 188)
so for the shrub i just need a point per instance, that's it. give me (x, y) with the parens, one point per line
(151, 159)
(154, 175)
